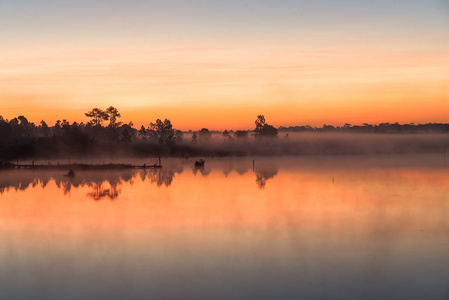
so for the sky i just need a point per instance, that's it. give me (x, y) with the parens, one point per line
(219, 64)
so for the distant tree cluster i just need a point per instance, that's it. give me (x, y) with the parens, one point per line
(263, 129)
(371, 128)
(161, 132)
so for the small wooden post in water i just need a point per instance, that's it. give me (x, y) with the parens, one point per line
(253, 165)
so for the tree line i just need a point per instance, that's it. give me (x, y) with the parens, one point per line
(102, 132)
(373, 128)
(105, 133)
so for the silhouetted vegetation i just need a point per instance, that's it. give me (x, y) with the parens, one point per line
(370, 128)
(103, 134)
(241, 134)
(194, 138)
(205, 135)
(227, 136)
(163, 131)
(263, 129)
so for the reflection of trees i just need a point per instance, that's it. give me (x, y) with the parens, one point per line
(98, 181)
(201, 170)
(100, 192)
(106, 184)
(262, 175)
(160, 177)
(13, 181)
(239, 169)
(103, 184)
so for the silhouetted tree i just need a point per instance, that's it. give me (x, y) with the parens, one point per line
(164, 131)
(24, 127)
(263, 129)
(179, 135)
(126, 136)
(260, 123)
(97, 116)
(205, 135)
(65, 125)
(194, 138)
(23, 120)
(73, 138)
(44, 130)
(226, 136)
(113, 115)
(143, 133)
(328, 127)
(57, 128)
(241, 134)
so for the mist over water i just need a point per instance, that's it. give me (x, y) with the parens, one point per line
(324, 143)
(350, 227)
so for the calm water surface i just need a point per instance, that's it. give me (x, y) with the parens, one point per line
(291, 228)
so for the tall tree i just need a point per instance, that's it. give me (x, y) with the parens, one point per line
(164, 131)
(113, 115)
(97, 116)
(263, 129)
(143, 133)
(226, 136)
(194, 138)
(260, 123)
(44, 130)
(179, 135)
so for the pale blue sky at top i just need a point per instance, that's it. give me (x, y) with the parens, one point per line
(31, 20)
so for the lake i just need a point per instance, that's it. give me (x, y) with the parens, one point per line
(318, 227)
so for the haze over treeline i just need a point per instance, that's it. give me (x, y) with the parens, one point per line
(104, 134)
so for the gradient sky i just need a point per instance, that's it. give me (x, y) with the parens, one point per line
(218, 64)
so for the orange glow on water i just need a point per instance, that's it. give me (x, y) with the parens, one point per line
(193, 202)
(222, 227)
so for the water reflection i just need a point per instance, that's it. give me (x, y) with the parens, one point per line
(201, 170)
(99, 191)
(103, 184)
(278, 232)
(160, 177)
(239, 169)
(106, 184)
(263, 174)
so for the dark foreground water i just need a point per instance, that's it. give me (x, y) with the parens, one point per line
(291, 228)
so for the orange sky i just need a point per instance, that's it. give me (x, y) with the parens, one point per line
(227, 87)
(219, 65)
